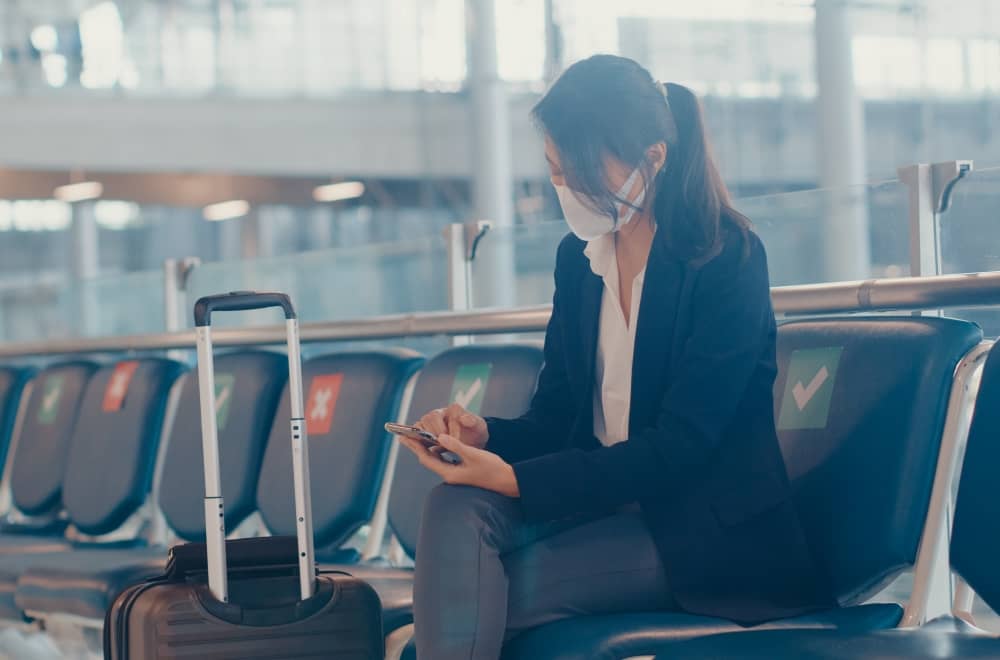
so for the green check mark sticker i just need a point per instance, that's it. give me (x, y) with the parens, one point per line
(223, 398)
(51, 393)
(469, 387)
(809, 388)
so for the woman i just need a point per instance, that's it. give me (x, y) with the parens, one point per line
(646, 474)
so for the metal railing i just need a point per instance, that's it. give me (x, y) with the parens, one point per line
(883, 295)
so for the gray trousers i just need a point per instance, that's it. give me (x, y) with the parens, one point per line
(484, 575)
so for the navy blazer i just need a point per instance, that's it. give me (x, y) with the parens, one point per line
(702, 457)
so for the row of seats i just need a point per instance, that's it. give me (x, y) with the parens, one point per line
(93, 463)
(861, 405)
(975, 547)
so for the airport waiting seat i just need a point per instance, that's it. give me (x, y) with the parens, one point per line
(348, 399)
(344, 392)
(42, 445)
(248, 384)
(12, 382)
(493, 380)
(861, 453)
(975, 546)
(109, 466)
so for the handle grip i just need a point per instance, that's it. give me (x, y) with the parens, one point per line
(240, 301)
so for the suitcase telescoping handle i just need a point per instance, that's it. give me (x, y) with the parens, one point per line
(215, 527)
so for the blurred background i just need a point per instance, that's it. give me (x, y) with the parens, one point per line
(323, 146)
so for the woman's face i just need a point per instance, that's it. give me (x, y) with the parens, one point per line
(616, 171)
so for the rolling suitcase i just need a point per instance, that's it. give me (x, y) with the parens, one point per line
(248, 598)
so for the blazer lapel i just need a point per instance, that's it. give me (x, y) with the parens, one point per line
(591, 295)
(654, 336)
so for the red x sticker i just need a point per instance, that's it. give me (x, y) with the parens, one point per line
(322, 402)
(114, 393)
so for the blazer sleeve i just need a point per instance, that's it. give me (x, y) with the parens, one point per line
(543, 428)
(732, 322)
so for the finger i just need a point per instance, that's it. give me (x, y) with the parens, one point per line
(452, 444)
(470, 421)
(453, 414)
(434, 422)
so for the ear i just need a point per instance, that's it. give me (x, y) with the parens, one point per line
(656, 156)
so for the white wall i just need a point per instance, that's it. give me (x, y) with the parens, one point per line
(427, 136)
(378, 135)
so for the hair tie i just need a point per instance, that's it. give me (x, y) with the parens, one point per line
(671, 136)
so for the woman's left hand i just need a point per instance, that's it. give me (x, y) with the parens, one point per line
(479, 467)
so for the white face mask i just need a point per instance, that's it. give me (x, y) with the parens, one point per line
(589, 224)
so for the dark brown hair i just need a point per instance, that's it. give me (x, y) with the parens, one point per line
(607, 105)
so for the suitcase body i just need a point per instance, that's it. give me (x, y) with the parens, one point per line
(249, 598)
(177, 620)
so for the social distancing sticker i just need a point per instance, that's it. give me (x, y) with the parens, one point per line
(52, 391)
(223, 398)
(321, 404)
(114, 394)
(812, 374)
(469, 388)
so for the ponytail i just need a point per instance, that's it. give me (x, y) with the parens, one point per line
(692, 203)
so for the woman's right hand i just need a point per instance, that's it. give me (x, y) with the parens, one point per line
(457, 422)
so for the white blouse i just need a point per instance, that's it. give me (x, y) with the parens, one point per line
(615, 344)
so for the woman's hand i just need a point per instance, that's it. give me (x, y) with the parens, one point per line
(457, 422)
(478, 468)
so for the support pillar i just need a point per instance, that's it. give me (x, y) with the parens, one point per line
(493, 181)
(842, 160)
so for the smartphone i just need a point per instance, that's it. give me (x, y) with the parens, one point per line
(426, 438)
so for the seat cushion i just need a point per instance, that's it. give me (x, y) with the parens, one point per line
(82, 582)
(248, 384)
(109, 467)
(348, 399)
(504, 375)
(12, 381)
(975, 538)
(939, 639)
(861, 454)
(394, 587)
(39, 460)
(620, 636)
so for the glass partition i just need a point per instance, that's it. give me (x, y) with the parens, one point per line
(970, 240)
(811, 236)
(514, 265)
(830, 235)
(42, 307)
(337, 284)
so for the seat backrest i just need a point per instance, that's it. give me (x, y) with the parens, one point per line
(975, 537)
(12, 381)
(860, 406)
(247, 387)
(491, 380)
(348, 399)
(113, 449)
(43, 440)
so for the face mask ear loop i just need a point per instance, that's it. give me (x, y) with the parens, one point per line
(629, 207)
